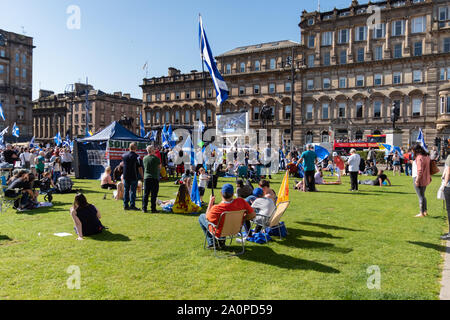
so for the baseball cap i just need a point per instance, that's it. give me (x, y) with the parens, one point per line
(227, 189)
(258, 192)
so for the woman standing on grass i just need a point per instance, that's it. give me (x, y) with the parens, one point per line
(446, 178)
(86, 217)
(421, 177)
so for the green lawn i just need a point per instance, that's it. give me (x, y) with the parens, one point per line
(334, 236)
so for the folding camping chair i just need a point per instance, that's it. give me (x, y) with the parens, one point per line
(273, 221)
(232, 225)
(7, 202)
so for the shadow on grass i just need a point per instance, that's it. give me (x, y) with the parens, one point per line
(312, 234)
(328, 227)
(358, 193)
(110, 237)
(5, 238)
(436, 247)
(265, 255)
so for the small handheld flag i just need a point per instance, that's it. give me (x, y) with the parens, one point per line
(283, 194)
(421, 140)
(195, 193)
(15, 131)
(142, 127)
(2, 115)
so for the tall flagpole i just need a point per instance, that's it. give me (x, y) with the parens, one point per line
(204, 93)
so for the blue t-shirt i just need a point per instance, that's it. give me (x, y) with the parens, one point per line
(309, 160)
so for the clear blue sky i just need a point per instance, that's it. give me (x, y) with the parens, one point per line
(117, 37)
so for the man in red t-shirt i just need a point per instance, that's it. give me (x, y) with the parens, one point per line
(214, 211)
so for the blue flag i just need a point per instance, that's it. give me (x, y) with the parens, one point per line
(15, 131)
(58, 139)
(421, 140)
(195, 193)
(164, 139)
(32, 143)
(172, 137)
(2, 115)
(142, 127)
(321, 153)
(208, 58)
(188, 148)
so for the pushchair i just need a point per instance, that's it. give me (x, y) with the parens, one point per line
(45, 191)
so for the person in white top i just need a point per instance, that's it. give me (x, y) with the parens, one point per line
(203, 180)
(66, 160)
(25, 159)
(353, 167)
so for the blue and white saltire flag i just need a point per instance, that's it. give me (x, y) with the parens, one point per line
(421, 140)
(32, 142)
(148, 135)
(165, 141)
(321, 153)
(195, 193)
(153, 135)
(58, 139)
(15, 131)
(5, 131)
(188, 148)
(142, 126)
(172, 137)
(208, 58)
(2, 115)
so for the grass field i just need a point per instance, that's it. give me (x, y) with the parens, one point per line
(334, 236)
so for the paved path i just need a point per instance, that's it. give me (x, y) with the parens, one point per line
(445, 282)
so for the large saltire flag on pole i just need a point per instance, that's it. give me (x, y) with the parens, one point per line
(142, 126)
(421, 140)
(195, 193)
(283, 194)
(164, 138)
(208, 58)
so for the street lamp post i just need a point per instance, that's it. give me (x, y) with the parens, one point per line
(293, 62)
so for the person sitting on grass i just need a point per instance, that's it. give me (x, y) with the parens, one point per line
(86, 218)
(64, 183)
(16, 175)
(183, 202)
(23, 186)
(319, 179)
(243, 190)
(379, 181)
(106, 180)
(264, 209)
(214, 212)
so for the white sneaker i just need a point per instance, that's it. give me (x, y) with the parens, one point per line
(239, 240)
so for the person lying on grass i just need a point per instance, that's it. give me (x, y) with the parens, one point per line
(214, 212)
(318, 177)
(379, 181)
(86, 218)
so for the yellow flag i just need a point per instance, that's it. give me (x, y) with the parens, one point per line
(283, 194)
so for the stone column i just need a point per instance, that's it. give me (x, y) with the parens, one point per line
(333, 47)
(406, 48)
(368, 55)
(350, 45)
(387, 47)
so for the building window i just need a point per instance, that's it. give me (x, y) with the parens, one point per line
(209, 115)
(177, 116)
(310, 21)
(309, 112)
(418, 48)
(157, 117)
(187, 95)
(325, 137)
(2, 69)
(197, 115)
(341, 111)
(398, 28)
(287, 87)
(158, 97)
(342, 82)
(311, 41)
(378, 79)
(242, 69)
(256, 113)
(257, 65)
(442, 74)
(210, 93)
(310, 84)
(272, 64)
(397, 78)
(446, 45)
(256, 89)
(378, 52)
(443, 15)
(241, 91)
(360, 57)
(17, 57)
(167, 96)
(325, 109)
(377, 109)
(379, 31)
(311, 61)
(309, 137)
(360, 81)
(187, 117)
(326, 59)
(228, 69)
(327, 38)
(398, 50)
(343, 36)
(448, 104)
(148, 97)
(17, 72)
(271, 87)
(417, 106)
(177, 96)
(287, 112)
(343, 57)
(361, 33)
(417, 76)
(418, 24)
(359, 110)
(199, 94)
(326, 83)
(443, 110)
(2, 53)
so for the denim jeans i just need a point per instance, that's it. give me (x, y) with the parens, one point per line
(408, 169)
(204, 225)
(130, 193)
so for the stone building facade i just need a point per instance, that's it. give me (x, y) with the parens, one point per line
(16, 83)
(340, 83)
(66, 112)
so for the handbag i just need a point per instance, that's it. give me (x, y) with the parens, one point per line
(433, 167)
(440, 193)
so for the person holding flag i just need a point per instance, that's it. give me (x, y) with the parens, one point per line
(152, 169)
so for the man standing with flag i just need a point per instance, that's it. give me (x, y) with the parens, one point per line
(152, 170)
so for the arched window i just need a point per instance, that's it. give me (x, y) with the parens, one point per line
(167, 117)
(287, 112)
(177, 116)
(187, 117)
(157, 117)
(209, 115)
(309, 137)
(242, 67)
(325, 137)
